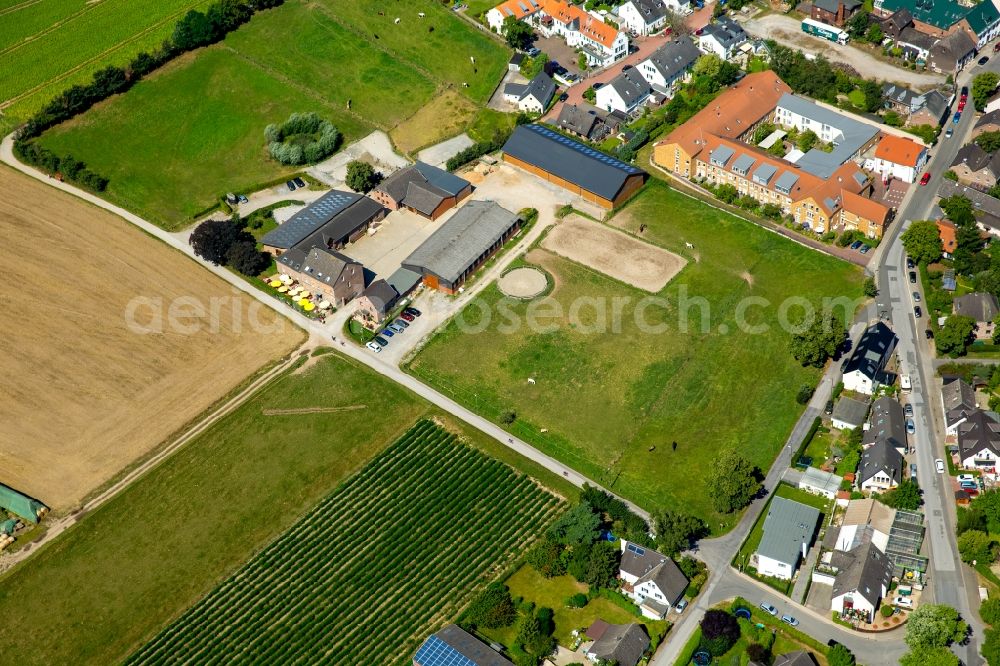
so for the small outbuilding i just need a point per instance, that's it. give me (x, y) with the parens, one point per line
(849, 414)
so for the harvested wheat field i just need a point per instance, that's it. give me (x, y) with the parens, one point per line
(614, 253)
(83, 393)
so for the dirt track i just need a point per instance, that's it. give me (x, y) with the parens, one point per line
(83, 393)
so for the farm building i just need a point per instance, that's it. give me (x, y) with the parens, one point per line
(21, 505)
(376, 302)
(461, 245)
(598, 178)
(334, 276)
(332, 221)
(818, 482)
(422, 188)
(453, 646)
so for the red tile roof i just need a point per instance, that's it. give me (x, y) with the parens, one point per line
(590, 27)
(865, 207)
(898, 150)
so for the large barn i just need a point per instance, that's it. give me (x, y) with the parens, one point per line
(589, 173)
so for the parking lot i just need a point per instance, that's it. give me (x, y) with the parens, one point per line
(555, 47)
(396, 237)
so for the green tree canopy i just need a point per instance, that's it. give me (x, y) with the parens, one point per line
(958, 209)
(953, 337)
(976, 546)
(904, 496)
(934, 625)
(922, 242)
(935, 656)
(989, 610)
(517, 33)
(734, 483)
(578, 525)
(675, 531)
(807, 140)
(602, 570)
(989, 141)
(983, 87)
(492, 608)
(990, 648)
(840, 656)
(361, 176)
(532, 66)
(820, 341)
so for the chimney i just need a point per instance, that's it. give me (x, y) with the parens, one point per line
(804, 550)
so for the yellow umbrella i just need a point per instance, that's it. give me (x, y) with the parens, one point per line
(275, 283)
(303, 302)
(282, 289)
(308, 307)
(305, 294)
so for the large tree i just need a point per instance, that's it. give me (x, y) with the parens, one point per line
(602, 570)
(517, 33)
(212, 239)
(958, 209)
(578, 525)
(983, 87)
(719, 631)
(361, 176)
(922, 242)
(934, 625)
(734, 483)
(840, 656)
(935, 656)
(953, 337)
(675, 531)
(492, 608)
(546, 558)
(904, 496)
(976, 546)
(990, 142)
(820, 341)
(243, 256)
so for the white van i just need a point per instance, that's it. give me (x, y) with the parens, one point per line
(940, 465)
(904, 383)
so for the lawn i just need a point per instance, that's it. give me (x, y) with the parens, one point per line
(612, 403)
(369, 571)
(552, 593)
(111, 583)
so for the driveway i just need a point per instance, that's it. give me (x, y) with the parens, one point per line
(375, 149)
(439, 154)
(396, 237)
(788, 31)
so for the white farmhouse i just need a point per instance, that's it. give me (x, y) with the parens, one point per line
(533, 97)
(643, 17)
(519, 9)
(625, 93)
(653, 581)
(899, 157)
(669, 66)
(722, 38)
(788, 532)
(864, 371)
(600, 42)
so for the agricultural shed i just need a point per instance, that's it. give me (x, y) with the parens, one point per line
(21, 505)
(453, 646)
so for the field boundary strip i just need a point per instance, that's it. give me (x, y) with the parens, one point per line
(18, 7)
(311, 410)
(55, 26)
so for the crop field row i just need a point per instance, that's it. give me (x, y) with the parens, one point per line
(362, 577)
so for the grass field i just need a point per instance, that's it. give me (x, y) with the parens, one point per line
(365, 574)
(169, 539)
(600, 400)
(49, 45)
(86, 393)
(194, 130)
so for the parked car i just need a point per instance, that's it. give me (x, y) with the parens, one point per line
(769, 609)
(917, 312)
(413, 312)
(290, 185)
(909, 264)
(406, 316)
(381, 341)
(299, 182)
(916, 297)
(913, 470)
(374, 346)
(911, 427)
(961, 107)
(948, 132)
(969, 485)
(856, 244)
(908, 409)
(400, 322)
(966, 477)
(242, 199)
(926, 178)
(396, 327)
(957, 117)
(532, 51)
(929, 334)
(829, 407)
(387, 332)
(913, 277)
(864, 248)
(940, 465)
(983, 60)
(788, 619)
(903, 602)
(681, 606)
(965, 92)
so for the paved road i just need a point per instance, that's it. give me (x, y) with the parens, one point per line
(788, 31)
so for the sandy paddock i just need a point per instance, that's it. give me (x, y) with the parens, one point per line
(614, 253)
(83, 393)
(524, 282)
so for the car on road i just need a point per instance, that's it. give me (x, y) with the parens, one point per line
(681, 606)
(789, 620)
(381, 341)
(960, 107)
(242, 199)
(913, 277)
(917, 312)
(983, 60)
(413, 312)
(948, 132)
(916, 297)
(908, 409)
(829, 407)
(913, 470)
(291, 186)
(596, 86)
(563, 97)
(406, 316)
(699, 32)
(769, 609)
(856, 244)
(374, 346)
(957, 117)
(965, 93)
(911, 427)
(864, 248)
(928, 334)
(299, 182)
(926, 178)
(940, 465)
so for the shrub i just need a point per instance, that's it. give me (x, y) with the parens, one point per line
(989, 610)
(719, 631)
(303, 138)
(804, 394)
(887, 610)
(578, 600)
(492, 608)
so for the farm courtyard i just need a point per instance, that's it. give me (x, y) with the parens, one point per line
(193, 130)
(610, 399)
(111, 583)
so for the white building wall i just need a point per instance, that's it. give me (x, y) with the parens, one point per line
(608, 99)
(856, 381)
(494, 19)
(770, 567)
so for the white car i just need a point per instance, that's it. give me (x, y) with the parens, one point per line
(966, 477)
(374, 346)
(940, 465)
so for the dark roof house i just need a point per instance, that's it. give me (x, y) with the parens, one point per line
(887, 424)
(726, 31)
(869, 356)
(797, 658)
(976, 159)
(630, 86)
(849, 412)
(453, 646)
(542, 88)
(959, 400)
(422, 188)
(981, 306)
(670, 60)
(327, 222)
(577, 119)
(987, 208)
(645, 564)
(864, 570)
(952, 52)
(881, 458)
(621, 643)
(598, 177)
(979, 432)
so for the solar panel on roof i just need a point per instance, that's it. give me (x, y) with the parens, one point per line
(435, 652)
(636, 549)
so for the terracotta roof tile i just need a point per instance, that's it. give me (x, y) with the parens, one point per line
(590, 27)
(898, 150)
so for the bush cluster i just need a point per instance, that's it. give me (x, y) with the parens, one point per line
(323, 139)
(67, 166)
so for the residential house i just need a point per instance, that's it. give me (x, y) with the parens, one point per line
(332, 221)
(653, 581)
(834, 12)
(916, 45)
(979, 442)
(864, 370)
(930, 108)
(898, 157)
(598, 178)
(424, 189)
(952, 53)
(864, 520)
(449, 256)
(947, 231)
(958, 402)
(621, 644)
(533, 97)
(789, 528)
(454, 645)
(944, 18)
(375, 303)
(887, 423)
(626, 92)
(849, 413)
(333, 276)
(982, 307)
(643, 17)
(21, 505)
(600, 42)
(669, 66)
(988, 122)
(519, 9)
(863, 214)
(818, 482)
(862, 581)
(722, 38)
(987, 208)
(849, 137)
(974, 166)
(894, 22)
(797, 658)
(578, 120)
(881, 467)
